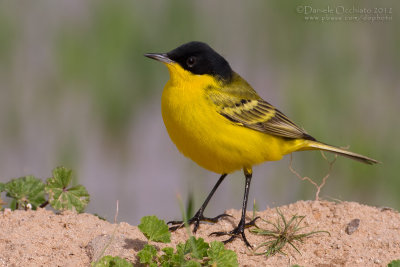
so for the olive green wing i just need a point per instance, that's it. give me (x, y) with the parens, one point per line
(239, 103)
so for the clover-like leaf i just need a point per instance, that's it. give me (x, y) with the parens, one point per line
(110, 261)
(220, 256)
(63, 198)
(155, 229)
(25, 191)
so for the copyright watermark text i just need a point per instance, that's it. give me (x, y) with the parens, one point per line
(344, 13)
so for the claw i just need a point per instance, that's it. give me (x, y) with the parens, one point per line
(197, 218)
(239, 230)
(216, 218)
(252, 222)
(174, 228)
(175, 222)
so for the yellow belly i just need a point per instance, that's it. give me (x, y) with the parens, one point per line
(211, 140)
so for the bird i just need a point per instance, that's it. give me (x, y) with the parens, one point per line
(215, 118)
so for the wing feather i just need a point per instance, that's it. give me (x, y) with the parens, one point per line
(250, 110)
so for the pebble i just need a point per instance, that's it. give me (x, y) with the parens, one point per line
(352, 226)
(377, 261)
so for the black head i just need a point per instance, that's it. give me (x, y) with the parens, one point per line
(199, 58)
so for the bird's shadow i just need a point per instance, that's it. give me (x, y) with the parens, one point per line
(135, 244)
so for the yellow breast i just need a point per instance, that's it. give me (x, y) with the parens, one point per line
(206, 137)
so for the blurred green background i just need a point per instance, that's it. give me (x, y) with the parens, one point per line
(76, 90)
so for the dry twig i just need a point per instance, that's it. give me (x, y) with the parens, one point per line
(305, 178)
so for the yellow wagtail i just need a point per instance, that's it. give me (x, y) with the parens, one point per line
(219, 121)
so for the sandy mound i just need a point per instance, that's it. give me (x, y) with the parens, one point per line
(34, 238)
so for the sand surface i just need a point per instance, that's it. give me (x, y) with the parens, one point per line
(43, 238)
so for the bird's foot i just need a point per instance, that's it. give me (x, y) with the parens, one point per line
(196, 219)
(238, 231)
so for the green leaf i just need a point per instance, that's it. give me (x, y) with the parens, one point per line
(25, 190)
(220, 256)
(2, 187)
(168, 251)
(178, 259)
(147, 254)
(166, 264)
(197, 247)
(63, 198)
(395, 263)
(62, 177)
(155, 229)
(182, 249)
(13, 204)
(109, 261)
(192, 263)
(165, 259)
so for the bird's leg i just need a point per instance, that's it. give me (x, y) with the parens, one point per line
(239, 230)
(198, 217)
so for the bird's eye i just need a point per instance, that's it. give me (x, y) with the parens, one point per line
(191, 61)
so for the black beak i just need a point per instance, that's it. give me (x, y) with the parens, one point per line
(159, 57)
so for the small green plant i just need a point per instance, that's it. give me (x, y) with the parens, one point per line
(394, 263)
(283, 232)
(110, 261)
(25, 192)
(194, 252)
(29, 192)
(63, 198)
